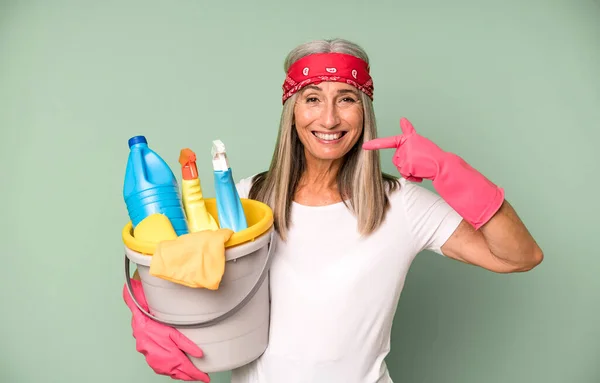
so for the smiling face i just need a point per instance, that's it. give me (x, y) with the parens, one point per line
(328, 119)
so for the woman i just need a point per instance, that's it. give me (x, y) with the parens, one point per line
(347, 232)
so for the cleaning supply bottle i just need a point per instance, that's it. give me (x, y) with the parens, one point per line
(229, 206)
(198, 217)
(150, 187)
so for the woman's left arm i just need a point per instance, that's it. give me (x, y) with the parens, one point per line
(502, 245)
(491, 234)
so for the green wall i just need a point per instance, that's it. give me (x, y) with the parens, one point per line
(519, 81)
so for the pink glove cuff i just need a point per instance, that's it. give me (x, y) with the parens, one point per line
(469, 192)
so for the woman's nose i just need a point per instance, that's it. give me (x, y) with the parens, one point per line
(330, 116)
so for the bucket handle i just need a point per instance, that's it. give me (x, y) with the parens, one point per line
(212, 321)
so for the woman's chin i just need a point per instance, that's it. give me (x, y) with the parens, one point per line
(327, 155)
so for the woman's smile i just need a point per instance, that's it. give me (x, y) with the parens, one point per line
(329, 138)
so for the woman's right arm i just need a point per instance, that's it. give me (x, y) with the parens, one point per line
(163, 346)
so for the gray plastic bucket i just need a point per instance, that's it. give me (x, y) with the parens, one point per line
(230, 324)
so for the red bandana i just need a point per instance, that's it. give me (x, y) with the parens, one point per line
(318, 67)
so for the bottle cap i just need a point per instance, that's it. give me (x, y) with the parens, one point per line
(187, 159)
(137, 140)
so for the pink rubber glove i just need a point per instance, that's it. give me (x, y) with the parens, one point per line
(470, 193)
(163, 346)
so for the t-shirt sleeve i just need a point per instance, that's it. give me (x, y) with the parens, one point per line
(243, 186)
(431, 219)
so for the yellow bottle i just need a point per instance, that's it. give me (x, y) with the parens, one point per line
(193, 203)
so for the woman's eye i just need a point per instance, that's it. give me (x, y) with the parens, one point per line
(348, 99)
(312, 99)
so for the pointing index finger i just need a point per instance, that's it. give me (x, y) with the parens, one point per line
(383, 143)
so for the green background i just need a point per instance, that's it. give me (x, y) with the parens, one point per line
(512, 86)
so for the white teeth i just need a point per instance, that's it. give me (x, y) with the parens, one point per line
(329, 136)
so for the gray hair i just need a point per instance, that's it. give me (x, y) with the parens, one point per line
(360, 177)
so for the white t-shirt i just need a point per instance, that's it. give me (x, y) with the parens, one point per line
(334, 294)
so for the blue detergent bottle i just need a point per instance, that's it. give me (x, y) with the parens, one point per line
(150, 187)
(229, 206)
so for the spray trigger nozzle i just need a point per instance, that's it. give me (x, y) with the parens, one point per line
(219, 156)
